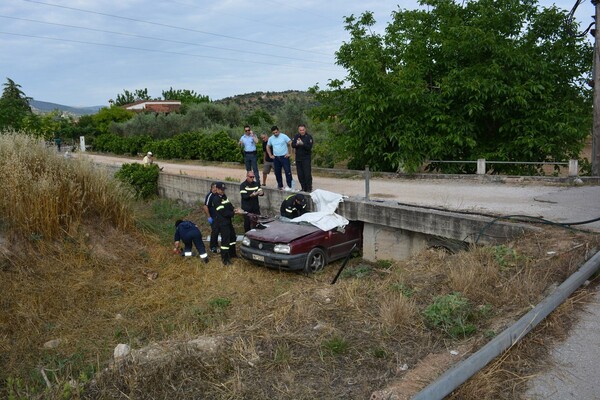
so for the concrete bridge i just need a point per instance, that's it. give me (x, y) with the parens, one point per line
(391, 231)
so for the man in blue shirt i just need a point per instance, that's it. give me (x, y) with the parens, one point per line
(248, 143)
(281, 149)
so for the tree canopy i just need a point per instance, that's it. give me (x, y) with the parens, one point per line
(14, 106)
(186, 96)
(495, 79)
(128, 97)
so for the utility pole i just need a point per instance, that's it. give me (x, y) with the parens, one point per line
(596, 77)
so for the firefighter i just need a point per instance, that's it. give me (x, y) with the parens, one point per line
(293, 206)
(225, 213)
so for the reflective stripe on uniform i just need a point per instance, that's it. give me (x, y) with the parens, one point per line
(220, 208)
(203, 255)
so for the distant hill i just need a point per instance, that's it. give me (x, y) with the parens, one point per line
(43, 107)
(271, 102)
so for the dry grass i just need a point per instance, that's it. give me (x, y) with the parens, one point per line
(285, 335)
(45, 195)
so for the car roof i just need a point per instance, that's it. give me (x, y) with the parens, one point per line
(277, 231)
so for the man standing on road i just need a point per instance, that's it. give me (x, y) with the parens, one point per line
(225, 213)
(303, 143)
(211, 214)
(267, 161)
(248, 142)
(189, 233)
(249, 190)
(280, 143)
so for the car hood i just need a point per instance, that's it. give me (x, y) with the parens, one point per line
(281, 232)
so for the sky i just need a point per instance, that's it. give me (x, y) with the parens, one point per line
(85, 52)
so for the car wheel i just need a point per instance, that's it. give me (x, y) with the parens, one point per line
(315, 261)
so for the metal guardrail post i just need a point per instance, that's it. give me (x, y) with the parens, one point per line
(573, 167)
(481, 166)
(367, 179)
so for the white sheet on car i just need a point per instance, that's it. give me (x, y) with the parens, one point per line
(324, 217)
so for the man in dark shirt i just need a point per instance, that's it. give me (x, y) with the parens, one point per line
(189, 233)
(225, 213)
(293, 206)
(250, 190)
(211, 215)
(303, 143)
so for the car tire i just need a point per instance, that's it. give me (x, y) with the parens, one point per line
(315, 261)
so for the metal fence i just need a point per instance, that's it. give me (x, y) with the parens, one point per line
(376, 187)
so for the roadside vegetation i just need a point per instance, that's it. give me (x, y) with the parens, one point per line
(107, 276)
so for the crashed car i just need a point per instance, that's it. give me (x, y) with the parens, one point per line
(299, 246)
(307, 242)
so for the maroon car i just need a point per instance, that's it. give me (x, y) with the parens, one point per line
(299, 246)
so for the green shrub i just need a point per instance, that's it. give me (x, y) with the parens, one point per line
(358, 271)
(336, 345)
(451, 314)
(143, 179)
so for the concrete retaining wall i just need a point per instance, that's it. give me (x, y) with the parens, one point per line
(391, 231)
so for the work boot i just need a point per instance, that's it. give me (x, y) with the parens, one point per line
(204, 257)
(226, 258)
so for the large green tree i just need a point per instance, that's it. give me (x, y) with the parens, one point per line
(14, 106)
(103, 119)
(461, 80)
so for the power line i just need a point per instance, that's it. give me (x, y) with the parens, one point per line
(287, 27)
(164, 40)
(159, 51)
(175, 27)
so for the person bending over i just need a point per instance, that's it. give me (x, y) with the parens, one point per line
(293, 206)
(189, 233)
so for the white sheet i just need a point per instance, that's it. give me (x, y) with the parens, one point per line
(324, 217)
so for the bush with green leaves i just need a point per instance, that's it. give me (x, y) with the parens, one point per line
(452, 314)
(454, 80)
(142, 178)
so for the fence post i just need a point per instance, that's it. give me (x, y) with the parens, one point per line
(481, 166)
(367, 178)
(573, 167)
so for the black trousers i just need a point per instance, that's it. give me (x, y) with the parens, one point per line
(303, 170)
(227, 241)
(248, 218)
(214, 235)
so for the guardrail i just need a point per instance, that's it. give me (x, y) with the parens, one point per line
(482, 164)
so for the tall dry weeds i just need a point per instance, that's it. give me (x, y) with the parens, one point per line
(45, 195)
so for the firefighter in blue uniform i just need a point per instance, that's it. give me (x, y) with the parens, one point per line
(189, 233)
